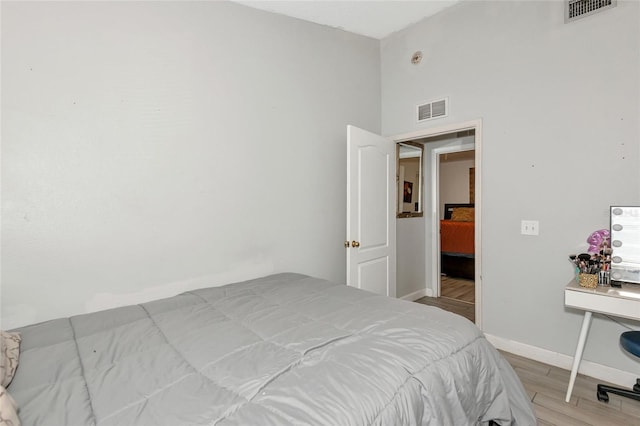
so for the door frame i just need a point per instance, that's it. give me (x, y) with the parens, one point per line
(434, 265)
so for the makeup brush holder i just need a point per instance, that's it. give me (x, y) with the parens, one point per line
(588, 280)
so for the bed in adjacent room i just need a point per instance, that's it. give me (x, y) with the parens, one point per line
(278, 350)
(457, 241)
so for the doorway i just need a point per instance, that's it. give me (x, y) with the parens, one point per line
(456, 195)
(445, 140)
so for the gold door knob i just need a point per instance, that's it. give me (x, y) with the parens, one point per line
(355, 244)
(347, 244)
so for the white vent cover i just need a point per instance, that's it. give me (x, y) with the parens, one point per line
(433, 109)
(575, 9)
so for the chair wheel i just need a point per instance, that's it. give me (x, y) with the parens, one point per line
(602, 396)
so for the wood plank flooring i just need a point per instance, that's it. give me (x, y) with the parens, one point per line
(457, 295)
(465, 309)
(458, 289)
(546, 385)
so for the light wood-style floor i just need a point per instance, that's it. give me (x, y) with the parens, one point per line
(458, 289)
(456, 295)
(546, 386)
(465, 309)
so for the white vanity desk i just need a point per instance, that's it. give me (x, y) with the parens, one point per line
(621, 302)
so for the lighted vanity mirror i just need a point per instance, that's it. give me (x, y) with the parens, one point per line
(409, 179)
(625, 242)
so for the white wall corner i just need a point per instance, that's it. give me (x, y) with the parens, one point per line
(588, 368)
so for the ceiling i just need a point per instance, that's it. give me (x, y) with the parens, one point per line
(376, 19)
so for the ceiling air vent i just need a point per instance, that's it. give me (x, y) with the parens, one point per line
(433, 109)
(575, 9)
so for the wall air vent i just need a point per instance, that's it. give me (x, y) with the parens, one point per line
(433, 109)
(576, 9)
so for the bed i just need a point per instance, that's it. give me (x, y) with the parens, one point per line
(286, 349)
(457, 236)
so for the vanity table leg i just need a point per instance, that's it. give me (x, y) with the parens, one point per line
(578, 356)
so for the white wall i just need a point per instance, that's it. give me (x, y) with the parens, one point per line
(557, 102)
(410, 254)
(454, 182)
(149, 148)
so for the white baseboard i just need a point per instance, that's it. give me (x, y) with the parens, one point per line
(414, 296)
(588, 368)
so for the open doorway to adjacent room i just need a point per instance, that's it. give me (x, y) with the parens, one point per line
(451, 197)
(456, 182)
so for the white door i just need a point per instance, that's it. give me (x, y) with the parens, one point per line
(371, 212)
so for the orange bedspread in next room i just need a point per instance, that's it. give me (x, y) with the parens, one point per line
(457, 237)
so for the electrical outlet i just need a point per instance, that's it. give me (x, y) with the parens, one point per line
(529, 227)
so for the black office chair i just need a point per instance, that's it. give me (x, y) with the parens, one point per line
(630, 341)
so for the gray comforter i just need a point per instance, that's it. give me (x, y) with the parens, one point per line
(280, 350)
